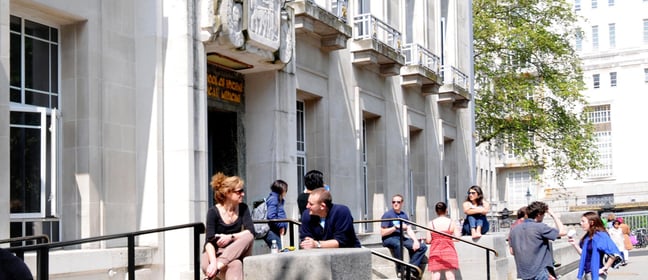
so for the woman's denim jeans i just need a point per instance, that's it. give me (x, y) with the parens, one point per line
(473, 221)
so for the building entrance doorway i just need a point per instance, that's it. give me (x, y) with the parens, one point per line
(222, 143)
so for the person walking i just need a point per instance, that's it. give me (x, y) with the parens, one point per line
(594, 244)
(443, 255)
(627, 244)
(530, 246)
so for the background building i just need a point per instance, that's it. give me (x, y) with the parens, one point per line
(115, 114)
(614, 51)
(614, 54)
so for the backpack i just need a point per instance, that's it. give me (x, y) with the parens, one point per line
(260, 212)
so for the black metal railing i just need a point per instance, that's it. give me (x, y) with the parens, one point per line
(40, 239)
(488, 250)
(291, 227)
(42, 250)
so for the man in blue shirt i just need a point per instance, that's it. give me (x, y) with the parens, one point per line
(391, 235)
(530, 244)
(326, 225)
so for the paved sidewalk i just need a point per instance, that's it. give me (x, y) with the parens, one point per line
(637, 268)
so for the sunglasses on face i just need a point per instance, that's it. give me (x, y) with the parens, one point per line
(472, 192)
(240, 191)
(396, 202)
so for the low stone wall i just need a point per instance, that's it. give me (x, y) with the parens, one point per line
(318, 264)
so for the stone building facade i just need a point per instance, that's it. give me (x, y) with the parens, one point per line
(115, 114)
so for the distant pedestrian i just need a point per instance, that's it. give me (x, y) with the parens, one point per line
(594, 244)
(276, 211)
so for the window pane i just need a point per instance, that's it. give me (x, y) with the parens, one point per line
(14, 95)
(14, 60)
(54, 69)
(25, 169)
(37, 99)
(37, 30)
(14, 23)
(37, 64)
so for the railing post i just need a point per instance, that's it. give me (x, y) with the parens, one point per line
(42, 261)
(401, 249)
(487, 266)
(131, 257)
(196, 252)
(291, 231)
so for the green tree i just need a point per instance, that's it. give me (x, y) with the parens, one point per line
(528, 84)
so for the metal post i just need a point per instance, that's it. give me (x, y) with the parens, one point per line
(42, 260)
(292, 234)
(196, 252)
(487, 266)
(131, 257)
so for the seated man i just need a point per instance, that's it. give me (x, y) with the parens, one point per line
(326, 225)
(391, 232)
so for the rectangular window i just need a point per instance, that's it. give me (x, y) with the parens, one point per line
(594, 4)
(33, 63)
(579, 39)
(521, 187)
(612, 34)
(577, 5)
(596, 80)
(600, 117)
(613, 79)
(595, 37)
(599, 114)
(600, 199)
(645, 31)
(610, 3)
(301, 145)
(645, 75)
(33, 121)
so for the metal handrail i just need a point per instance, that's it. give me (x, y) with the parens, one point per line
(42, 250)
(401, 262)
(291, 231)
(435, 231)
(40, 239)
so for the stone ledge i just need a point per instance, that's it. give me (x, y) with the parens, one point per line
(324, 264)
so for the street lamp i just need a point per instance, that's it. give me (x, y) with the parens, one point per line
(528, 196)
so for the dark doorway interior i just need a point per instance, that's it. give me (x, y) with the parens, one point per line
(222, 143)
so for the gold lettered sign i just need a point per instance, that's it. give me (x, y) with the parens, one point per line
(224, 85)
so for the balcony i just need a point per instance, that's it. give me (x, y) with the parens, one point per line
(455, 87)
(317, 22)
(422, 69)
(376, 46)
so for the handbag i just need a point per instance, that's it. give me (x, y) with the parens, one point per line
(633, 239)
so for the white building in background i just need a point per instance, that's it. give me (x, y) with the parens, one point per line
(614, 53)
(114, 114)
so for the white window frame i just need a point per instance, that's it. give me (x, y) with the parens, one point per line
(595, 37)
(594, 4)
(300, 109)
(613, 79)
(612, 34)
(596, 81)
(49, 189)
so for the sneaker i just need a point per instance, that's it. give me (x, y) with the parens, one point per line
(556, 264)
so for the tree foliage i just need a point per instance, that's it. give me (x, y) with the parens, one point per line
(528, 84)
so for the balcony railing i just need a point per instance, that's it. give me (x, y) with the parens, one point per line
(416, 54)
(369, 27)
(335, 7)
(452, 75)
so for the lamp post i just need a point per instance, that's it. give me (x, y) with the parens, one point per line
(528, 196)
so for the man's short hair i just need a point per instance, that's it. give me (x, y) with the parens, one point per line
(323, 196)
(314, 179)
(536, 208)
